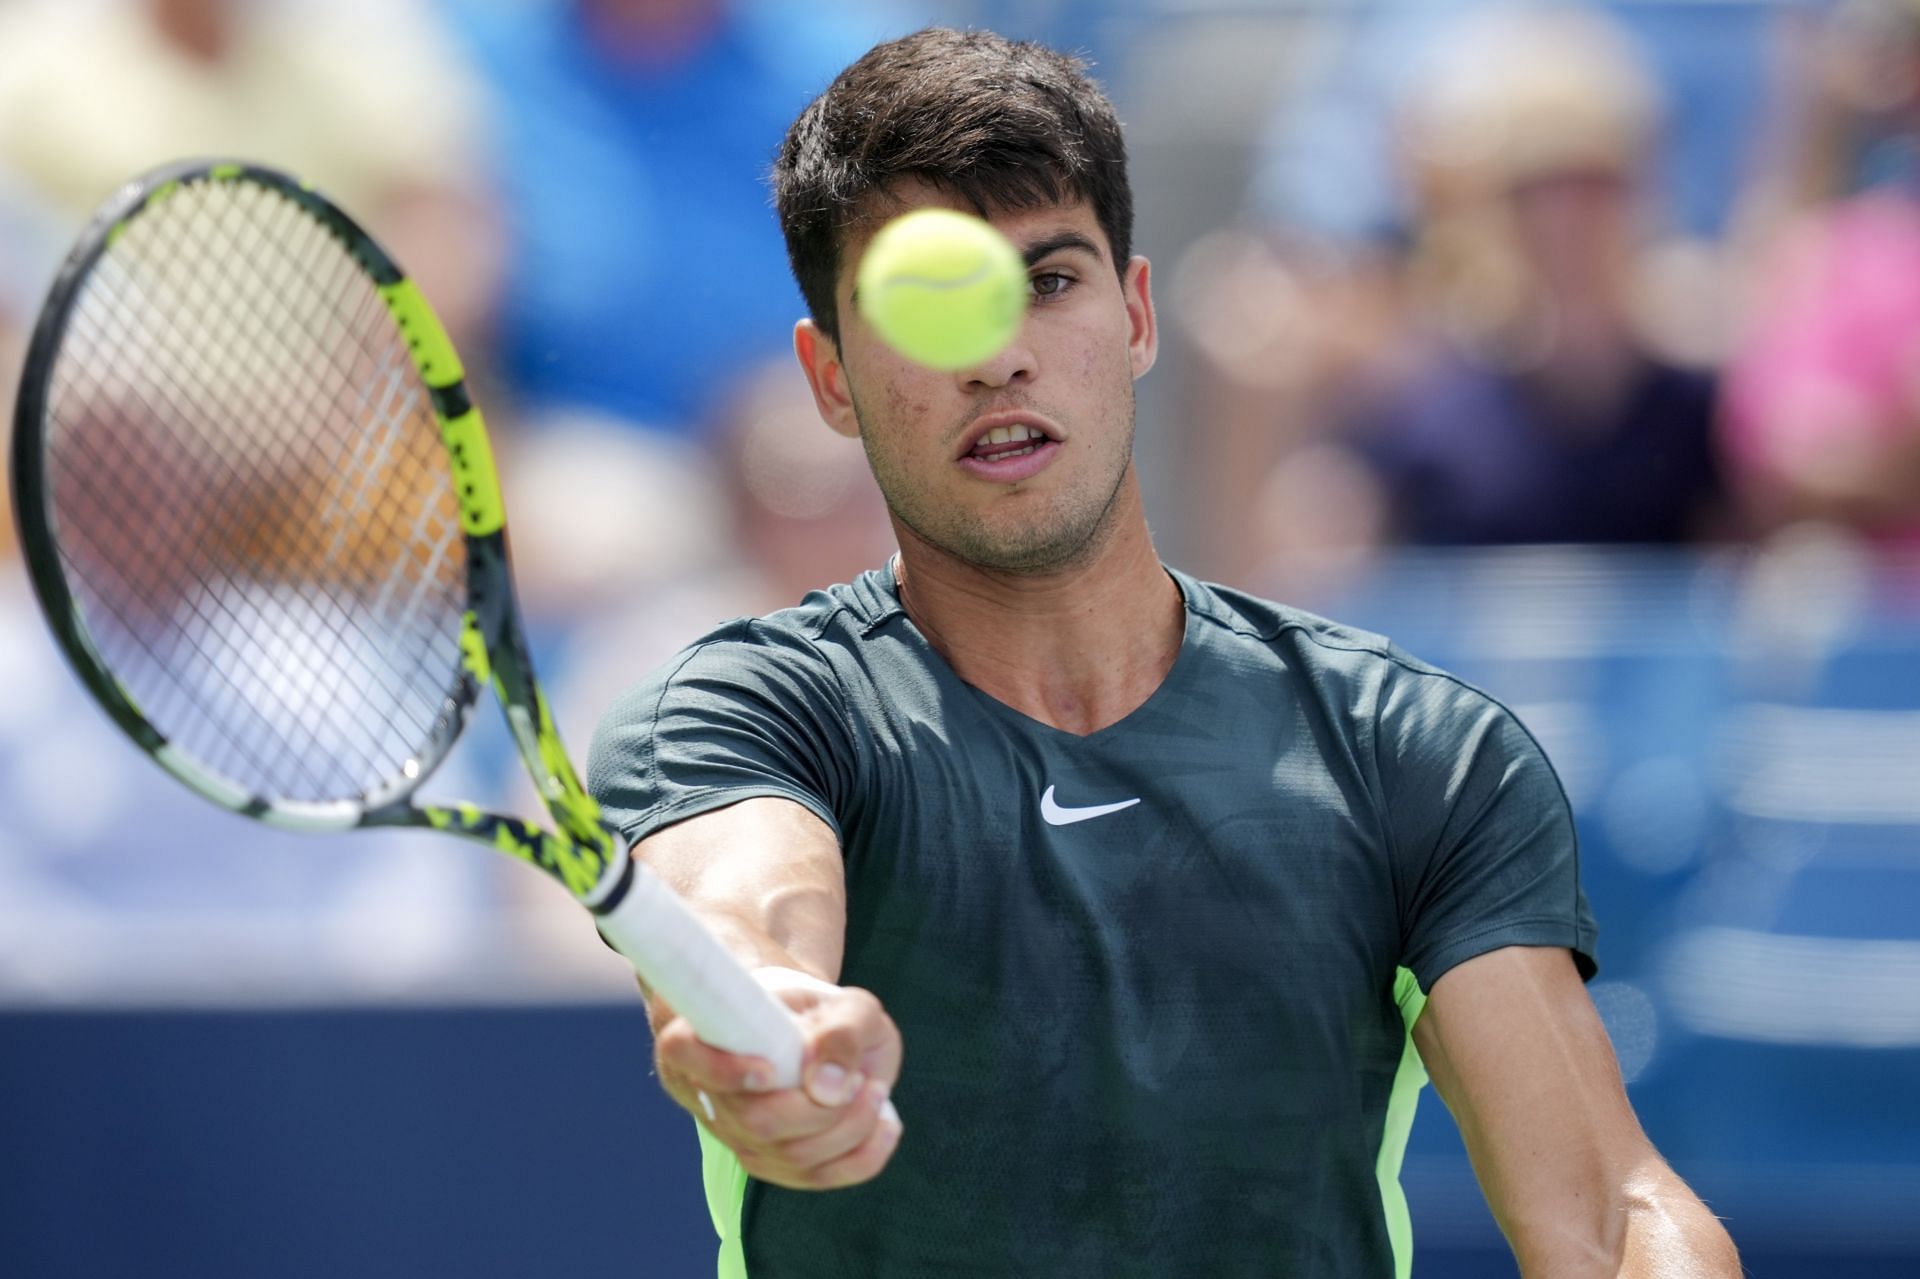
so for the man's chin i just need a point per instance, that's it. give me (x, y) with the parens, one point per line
(1020, 538)
(1034, 553)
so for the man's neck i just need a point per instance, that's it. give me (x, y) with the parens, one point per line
(1079, 649)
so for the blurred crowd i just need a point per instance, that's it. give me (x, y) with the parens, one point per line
(1502, 273)
(1465, 274)
(1485, 290)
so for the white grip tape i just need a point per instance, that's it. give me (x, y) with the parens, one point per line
(679, 959)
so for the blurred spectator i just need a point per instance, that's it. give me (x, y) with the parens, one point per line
(1409, 253)
(633, 138)
(1326, 163)
(1536, 409)
(361, 101)
(1823, 405)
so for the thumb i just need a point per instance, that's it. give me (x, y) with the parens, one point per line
(797, 990)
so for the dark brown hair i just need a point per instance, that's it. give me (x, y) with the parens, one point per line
(1002, 124)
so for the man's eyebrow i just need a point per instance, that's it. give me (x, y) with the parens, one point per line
(1054, 243)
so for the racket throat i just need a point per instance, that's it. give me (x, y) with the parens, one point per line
(614, 887)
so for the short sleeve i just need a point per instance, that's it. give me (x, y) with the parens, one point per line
(752, 710)
(1483, 841)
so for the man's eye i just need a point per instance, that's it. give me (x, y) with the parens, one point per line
(1050, 284)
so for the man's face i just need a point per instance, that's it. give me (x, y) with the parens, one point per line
(938, 441)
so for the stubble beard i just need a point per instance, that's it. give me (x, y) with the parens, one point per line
(1068, 532)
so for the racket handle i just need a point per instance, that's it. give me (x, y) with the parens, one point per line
(679, 958)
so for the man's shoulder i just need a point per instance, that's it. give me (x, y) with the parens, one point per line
(786, 665)
(805, 636)
(843, 612)
(1306, 636)
(1319, 649)
(836, 616)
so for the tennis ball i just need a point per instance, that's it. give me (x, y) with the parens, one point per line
(943, 288)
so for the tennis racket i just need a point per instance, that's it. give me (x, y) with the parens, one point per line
(261, 514)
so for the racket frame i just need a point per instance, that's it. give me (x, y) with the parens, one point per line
(637, 913)
(585, 853)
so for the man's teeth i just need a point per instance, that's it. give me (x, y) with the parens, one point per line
(1010, 434)
(1015, 434)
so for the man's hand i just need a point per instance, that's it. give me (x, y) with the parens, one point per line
(767, 875)
(837, 1129)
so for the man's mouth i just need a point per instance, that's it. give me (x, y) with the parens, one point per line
(1011, 447)
(1005, 442)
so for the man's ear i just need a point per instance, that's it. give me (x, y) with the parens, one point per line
(1143, 329)
(819, 357)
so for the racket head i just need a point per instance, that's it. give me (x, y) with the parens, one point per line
(236, 504)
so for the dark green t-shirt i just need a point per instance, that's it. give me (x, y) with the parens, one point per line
(1155, 983)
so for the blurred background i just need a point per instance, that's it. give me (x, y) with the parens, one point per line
(1576, 348)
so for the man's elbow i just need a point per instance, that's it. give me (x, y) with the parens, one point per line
(1671, 1234)
(1652, 1226)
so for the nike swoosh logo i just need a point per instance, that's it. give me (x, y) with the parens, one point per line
(1056, 815)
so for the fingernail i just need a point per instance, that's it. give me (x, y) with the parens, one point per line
(832, 1086)
(888, 1115)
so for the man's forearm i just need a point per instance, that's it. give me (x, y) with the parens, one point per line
(767, 879)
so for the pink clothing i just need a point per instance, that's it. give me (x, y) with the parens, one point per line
(1827, 380)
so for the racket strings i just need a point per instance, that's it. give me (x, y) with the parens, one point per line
(253, 501)
(321, 690)
(224, 642)
(381, 368)
(220, 631)
(233, 649)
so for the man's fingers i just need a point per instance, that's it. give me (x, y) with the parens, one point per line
(830, 1084)
(838, 1128)
(864, 1161)
(772, 1120)
(850, 1126)
(694, 1064)
(874, 1139)
(849, 1040)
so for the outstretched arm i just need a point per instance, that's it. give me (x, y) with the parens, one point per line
(766, 876)
(1515, 1048)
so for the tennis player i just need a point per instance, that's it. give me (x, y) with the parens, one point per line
(1172, 897)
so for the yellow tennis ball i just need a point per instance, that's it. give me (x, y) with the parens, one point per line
(943, 288)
